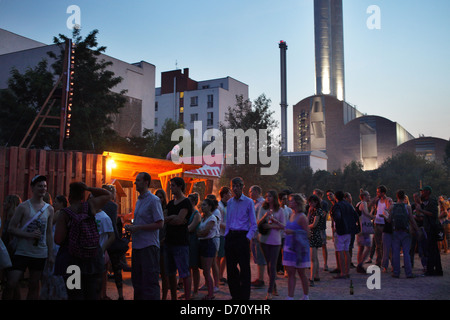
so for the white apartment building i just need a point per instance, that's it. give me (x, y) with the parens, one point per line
(182, 99)
(138, 79)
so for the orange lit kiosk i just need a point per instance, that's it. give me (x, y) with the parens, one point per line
(122, 169)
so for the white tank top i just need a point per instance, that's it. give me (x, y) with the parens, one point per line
(380, 209)
(30, 247)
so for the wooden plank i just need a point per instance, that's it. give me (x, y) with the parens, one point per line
(60, 173)
(51, 173)
(21, 174)
(32, 156)
(69, 172)
(42, 163)
(98, 170)
(12, 166)
(78, 166)
(88, 174)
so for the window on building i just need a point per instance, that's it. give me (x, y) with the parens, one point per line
(426, 149)
(210, 119)
(210, 101)
(194, 101)
(156, 122)
(156, 106)
(194, 117)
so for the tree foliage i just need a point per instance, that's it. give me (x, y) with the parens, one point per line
(405, 171)
(254, 115)
(93, 101)
(21, 102)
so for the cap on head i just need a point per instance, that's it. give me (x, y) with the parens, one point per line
(37, 178)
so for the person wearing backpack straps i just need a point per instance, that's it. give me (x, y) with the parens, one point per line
(401, 217)
(31, 224)
(428, 206)
(89, 260)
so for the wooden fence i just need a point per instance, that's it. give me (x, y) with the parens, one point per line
(18, 166)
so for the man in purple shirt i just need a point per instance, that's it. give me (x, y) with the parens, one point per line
(240, 228)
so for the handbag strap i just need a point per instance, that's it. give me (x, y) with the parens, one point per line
(37, 215)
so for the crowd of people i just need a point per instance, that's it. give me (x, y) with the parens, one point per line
(172, 240)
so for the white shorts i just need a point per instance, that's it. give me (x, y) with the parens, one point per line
(343, 242)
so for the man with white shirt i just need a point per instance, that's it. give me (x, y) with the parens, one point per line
(381, 202)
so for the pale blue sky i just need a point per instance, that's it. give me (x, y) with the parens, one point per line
(400, 71)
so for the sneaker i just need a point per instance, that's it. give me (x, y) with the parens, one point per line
(258, 283)
(311, 283)
(335, 271)
(216, 289)
(269, 296)
(360, 269)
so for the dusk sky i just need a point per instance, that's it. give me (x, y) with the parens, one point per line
(400, 71)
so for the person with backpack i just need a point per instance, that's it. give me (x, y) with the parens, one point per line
(400, 215)
(77, 235)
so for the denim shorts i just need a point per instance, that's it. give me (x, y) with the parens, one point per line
(364, 239)
(342, 242)
(23, 262)
(208, 248)
(177, 258)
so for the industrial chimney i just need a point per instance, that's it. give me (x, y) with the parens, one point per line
(329, 48)
(283, 49)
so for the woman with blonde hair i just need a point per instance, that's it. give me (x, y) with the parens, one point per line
(364, 237)
(296, 255)
(270, 242)
(9, 207)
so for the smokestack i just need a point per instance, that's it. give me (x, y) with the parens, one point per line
(283, 49)
(329, 47)
(337, 50)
